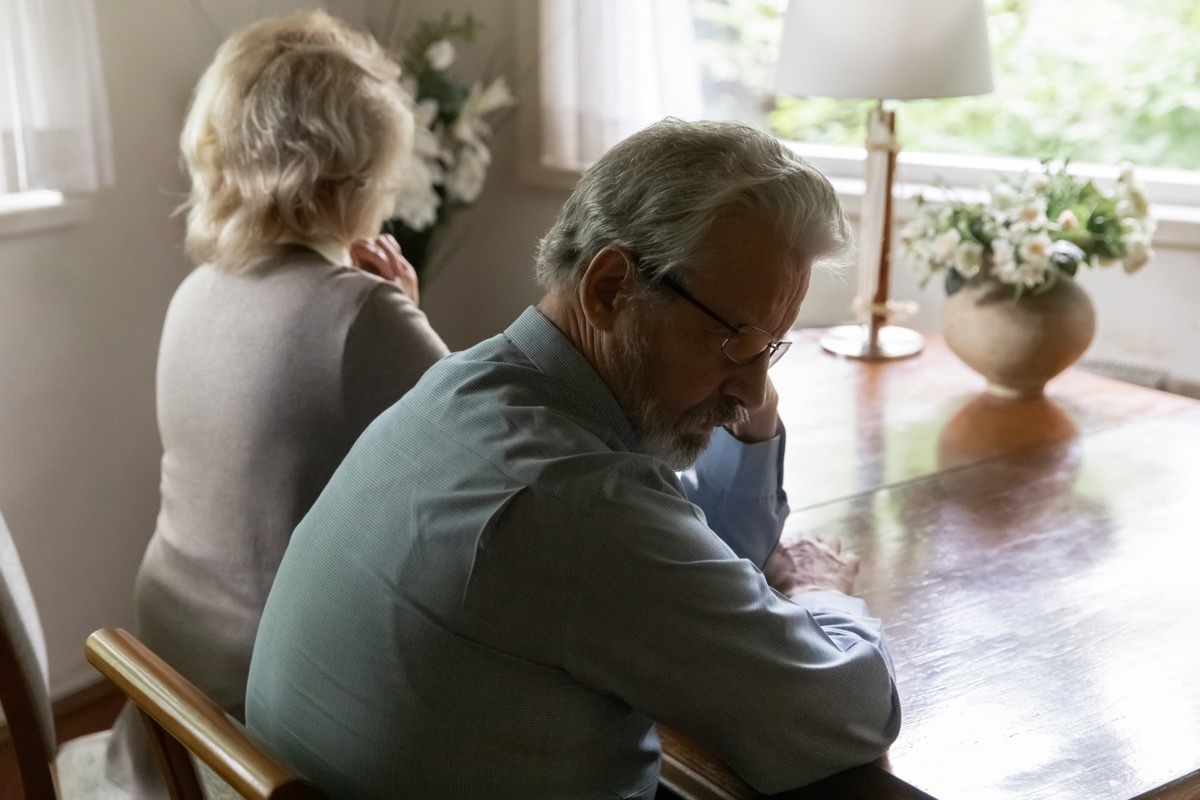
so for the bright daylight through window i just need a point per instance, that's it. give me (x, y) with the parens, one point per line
(1093, 81)
(54, 128)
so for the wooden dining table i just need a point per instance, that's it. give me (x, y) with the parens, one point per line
(1036, 565)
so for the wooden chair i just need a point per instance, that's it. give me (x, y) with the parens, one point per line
(691, 772)
(47, 770)
(186, 724)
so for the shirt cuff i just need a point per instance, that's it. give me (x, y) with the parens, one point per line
(832, 601)
(740, 487)
(748, 469)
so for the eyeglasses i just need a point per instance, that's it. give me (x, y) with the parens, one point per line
(744, 344)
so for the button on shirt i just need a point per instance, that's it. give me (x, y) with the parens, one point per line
(499, 592)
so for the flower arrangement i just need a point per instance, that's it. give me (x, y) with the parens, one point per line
(1031, 231)
(450, 158)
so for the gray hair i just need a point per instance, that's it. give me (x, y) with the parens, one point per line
(658, 192)
(297, 133)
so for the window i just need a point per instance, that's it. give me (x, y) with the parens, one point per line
(609, 68)
(54, 132)
(1098, 81)
(1095, 81)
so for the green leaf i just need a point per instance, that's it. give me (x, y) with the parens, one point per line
(1107, 249)
(431, 31)
(1052, 277)
(449, 95)
(954, 281)
(976, 228)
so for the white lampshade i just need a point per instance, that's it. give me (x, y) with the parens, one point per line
(885, 49)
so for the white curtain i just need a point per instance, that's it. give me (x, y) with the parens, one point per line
(609, 68)
(53, 113)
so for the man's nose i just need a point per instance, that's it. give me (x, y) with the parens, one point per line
(748, 384)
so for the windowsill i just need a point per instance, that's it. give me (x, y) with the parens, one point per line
(1178, 223)
(39, 211)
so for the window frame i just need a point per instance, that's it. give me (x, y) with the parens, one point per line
(1174, 193)
(39, 210)
(60, 198)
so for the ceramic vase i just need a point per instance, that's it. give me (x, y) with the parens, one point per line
(1018, 345)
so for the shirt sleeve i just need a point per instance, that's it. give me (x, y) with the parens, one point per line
(665, 617)
(388, 348)
(739, 487)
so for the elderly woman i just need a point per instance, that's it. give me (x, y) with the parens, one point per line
(276, 352)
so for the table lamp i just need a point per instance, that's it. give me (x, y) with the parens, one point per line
(882, 50)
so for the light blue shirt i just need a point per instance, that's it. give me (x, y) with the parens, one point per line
(499, 592)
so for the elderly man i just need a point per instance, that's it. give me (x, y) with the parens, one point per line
(506, 583)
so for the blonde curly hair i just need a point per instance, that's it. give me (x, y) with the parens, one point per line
(296, 134)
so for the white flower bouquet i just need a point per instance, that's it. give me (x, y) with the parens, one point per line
(1031, 231)
(450, 158)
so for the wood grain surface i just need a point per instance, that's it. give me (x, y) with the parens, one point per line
(1035, 563)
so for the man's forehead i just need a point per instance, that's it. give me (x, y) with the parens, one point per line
(737, 242)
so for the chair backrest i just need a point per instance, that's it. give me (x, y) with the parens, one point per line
(24, 692)
(182, 720)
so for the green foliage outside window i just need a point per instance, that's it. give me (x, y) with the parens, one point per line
(1099, 81)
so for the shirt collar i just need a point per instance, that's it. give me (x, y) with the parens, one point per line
(552, 353)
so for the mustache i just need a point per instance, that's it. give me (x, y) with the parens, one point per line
(726, 411)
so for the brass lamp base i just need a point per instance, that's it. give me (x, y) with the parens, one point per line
(891, 342)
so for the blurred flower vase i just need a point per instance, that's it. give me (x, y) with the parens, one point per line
(450, 158)
(1014, 312)
(1018, 346)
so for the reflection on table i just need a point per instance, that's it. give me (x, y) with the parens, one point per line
(1035, 563)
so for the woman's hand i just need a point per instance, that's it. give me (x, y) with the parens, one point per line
(380, 255)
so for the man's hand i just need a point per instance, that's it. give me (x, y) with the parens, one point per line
(763, 423)
(811, 565)
(380, 255)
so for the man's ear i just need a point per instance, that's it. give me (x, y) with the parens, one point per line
(606, 284)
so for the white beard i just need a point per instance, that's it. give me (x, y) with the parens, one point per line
(673, 440)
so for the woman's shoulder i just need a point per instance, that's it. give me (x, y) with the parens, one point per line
(297, 273)
(387, 315)
(286, 296)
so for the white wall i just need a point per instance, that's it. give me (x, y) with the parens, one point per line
(80, 311)
(81, 308)
(80, 314)
(482, 271)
